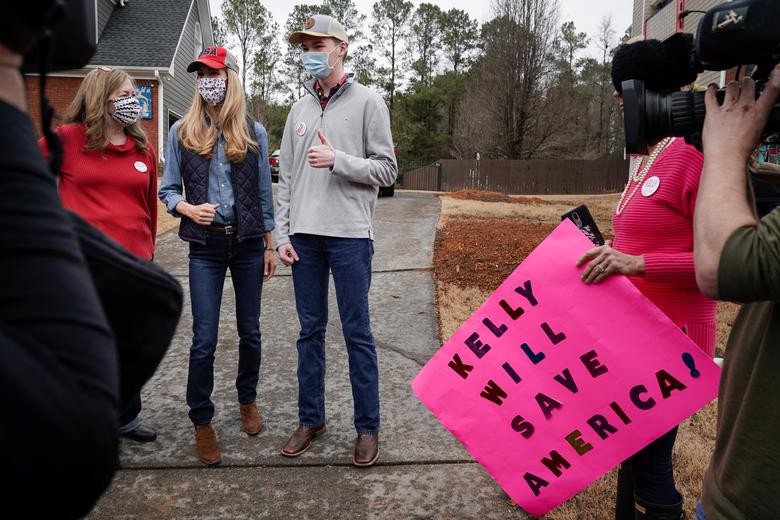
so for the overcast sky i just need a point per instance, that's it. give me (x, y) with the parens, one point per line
(586, 14)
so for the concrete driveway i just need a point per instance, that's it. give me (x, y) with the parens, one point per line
(423, 471)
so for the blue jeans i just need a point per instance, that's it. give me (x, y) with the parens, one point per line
(700, 512)
(208, 267)
(128, 415)
(653, 472)
(349, 260)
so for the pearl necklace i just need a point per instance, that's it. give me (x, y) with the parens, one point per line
(638, 176)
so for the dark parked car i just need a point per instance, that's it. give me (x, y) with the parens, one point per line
(273, 161)
(388, 191)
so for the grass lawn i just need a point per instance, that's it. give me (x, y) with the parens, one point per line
(165, 221)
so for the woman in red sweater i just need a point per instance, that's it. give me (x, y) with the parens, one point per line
(653, 246)
(109, 177)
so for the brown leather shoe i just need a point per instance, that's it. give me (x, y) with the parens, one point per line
(301, 439)
(251, 422)
(366, 450)
(206, 443)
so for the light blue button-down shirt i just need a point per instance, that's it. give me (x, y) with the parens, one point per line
(220, 189)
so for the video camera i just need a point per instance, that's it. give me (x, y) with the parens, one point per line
(66, 27)
(729, 35)
(52, 35)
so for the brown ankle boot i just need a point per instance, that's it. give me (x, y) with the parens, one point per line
(251, 421)
(301, 440)
(366, 450)
(206, 444)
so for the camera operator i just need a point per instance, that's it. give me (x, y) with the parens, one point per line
(58, 375)
(737, 258)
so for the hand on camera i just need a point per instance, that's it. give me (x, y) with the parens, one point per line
(734, 128)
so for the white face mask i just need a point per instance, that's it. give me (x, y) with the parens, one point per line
(126, 110)
(212, 90)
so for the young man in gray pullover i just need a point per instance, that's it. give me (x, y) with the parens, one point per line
(337, 150)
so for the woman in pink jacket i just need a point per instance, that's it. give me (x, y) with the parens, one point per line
(653, 246)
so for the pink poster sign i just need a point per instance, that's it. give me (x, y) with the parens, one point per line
(552, 383)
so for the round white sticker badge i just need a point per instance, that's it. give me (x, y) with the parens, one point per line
(141, 166)
(300, 128)
(650, 186)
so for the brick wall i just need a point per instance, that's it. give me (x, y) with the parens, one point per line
(61, 90)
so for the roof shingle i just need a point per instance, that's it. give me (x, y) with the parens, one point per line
(144, 33)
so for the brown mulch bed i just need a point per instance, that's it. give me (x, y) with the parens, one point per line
(482, 252)
(494, 196)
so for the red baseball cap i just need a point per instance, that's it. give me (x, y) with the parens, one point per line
(215, 58)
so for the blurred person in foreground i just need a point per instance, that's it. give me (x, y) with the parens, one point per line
(653, 246)
(83, 323)
(59, 388)
(737, 258)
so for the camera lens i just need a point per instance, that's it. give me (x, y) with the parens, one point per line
(650, 116)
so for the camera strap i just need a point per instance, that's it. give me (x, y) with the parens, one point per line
(47, 111)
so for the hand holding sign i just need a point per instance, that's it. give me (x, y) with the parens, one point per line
(605, 261)
(323, 155)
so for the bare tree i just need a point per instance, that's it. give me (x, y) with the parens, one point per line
(425, 42)
(568, 44)
(348, 15)
(460, 38)
(360, 57)
(266, 59)
(248, 21)
(294, 72)
(606, 43)
(220, 34)
(389, 27)
(515, 74)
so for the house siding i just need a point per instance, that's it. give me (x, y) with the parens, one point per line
(693, 19)
(180, 86)
(710, 76)
(663, 23)
(638, 20)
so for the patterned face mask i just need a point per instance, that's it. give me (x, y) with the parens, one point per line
(212, 90)
(126, 110)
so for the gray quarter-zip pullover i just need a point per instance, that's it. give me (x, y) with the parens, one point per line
(337, 202)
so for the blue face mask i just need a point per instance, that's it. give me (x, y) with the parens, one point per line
(316, 63)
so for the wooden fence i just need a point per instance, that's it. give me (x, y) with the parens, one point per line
(532, 177)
